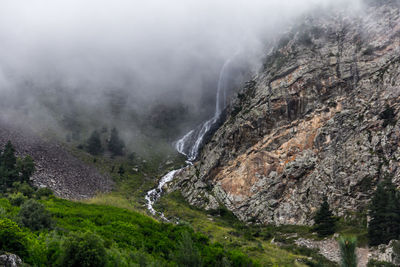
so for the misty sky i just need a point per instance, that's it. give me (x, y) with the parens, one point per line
(154, 50)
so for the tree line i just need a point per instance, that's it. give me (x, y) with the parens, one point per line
(115, 145)
(384, 213)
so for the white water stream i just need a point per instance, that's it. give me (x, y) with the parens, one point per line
(190, 143)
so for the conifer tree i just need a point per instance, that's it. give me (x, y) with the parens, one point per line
(8, 157)
(93, 145)
(384, 211)
(348, 254)
(116, 145)
(8, 171)
(324, 221)
(26, 167)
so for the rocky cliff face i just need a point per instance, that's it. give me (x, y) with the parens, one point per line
(321, 118)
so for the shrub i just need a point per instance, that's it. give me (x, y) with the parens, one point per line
(26, 189)
(34, 215)
(84, 250)
(12, 238)
(187, 254)
(43, 192)
(375, 263)
(17, 199)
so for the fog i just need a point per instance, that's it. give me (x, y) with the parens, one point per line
(121, 58)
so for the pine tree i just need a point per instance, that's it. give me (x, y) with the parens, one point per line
(324, 221)
(116, 145)
(25, 167)
(121, 170)
(348, 254)
(8, 171)
(8, 157)
(384, 211)
(93, 144)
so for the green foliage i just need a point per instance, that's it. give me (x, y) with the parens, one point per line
(374, 263)
(25, 188)
(26, 167)
(348, 253)
(187, 254)
(84, 249)
(324, 222)
(34, 215)
(17, 199)
(93, 144)
(116, 145)
(8, 171)
(15, 172)
(43, 192)
(12, 238)
(385, 214)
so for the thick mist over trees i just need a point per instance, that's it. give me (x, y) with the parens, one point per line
(136, 65)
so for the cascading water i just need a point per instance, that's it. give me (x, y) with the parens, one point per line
(153, 195)
(189, 144)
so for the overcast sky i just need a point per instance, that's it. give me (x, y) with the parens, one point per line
(152, 49)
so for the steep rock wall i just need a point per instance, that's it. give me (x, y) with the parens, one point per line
(321, 118)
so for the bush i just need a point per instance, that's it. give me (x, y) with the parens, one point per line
(43, 192)
(34, 215)
(25, 189)
(84, 250)
(374, 263)
(187, 254)
(17, 199)
(12, 238)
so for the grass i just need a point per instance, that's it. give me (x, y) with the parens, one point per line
(255, 241)
(219, 226)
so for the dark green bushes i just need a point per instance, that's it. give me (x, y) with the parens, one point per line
(12, 238)
(13, 169)
(83, 249)
(108, 236)
(34, 215)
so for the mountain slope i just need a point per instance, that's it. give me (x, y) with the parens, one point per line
(56, 168)
(321, 118)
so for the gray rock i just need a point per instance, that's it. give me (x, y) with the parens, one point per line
(308, 124)
(10, 260)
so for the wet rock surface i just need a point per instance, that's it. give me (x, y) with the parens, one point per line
(321, 118)
(56, 168)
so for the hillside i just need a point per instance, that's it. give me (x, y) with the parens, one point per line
(320, 118)
(56, 167)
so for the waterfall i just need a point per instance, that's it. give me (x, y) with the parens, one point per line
(189, 144)
(153, 195)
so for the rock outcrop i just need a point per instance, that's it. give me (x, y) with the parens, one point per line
(321, 118)
(10, 260)
(56, 168)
